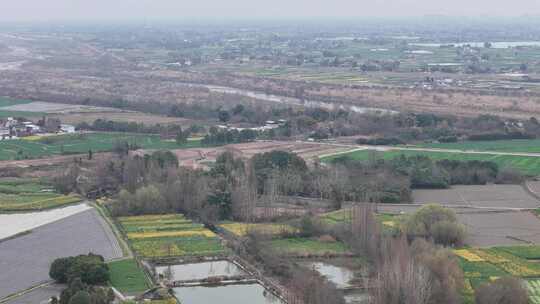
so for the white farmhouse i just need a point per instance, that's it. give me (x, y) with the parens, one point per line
(67, 128)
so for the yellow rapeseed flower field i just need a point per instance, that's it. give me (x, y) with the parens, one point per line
(143, 218)
(241, 229)
(157, 234)
(468, 255)
(490, 257)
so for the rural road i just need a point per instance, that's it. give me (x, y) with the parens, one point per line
(396, 148)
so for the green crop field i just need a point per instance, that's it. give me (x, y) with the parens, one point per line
(529, 165)
(6, 102)
(127, 277)
(169, 235)
(5, 113)
(489, 264)
(81, 143)
(533, 286)
(31, 195)
(307, 246)
(524, 252)
(515, 145)
(341, 216)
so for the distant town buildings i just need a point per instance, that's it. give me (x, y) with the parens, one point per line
(12, 128)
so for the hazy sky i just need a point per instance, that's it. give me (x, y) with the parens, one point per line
(137, 9)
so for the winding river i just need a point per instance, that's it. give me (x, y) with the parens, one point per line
(292, 100)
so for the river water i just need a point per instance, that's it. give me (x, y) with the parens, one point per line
(293, 101)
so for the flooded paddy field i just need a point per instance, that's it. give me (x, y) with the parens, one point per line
(227, 294)
(200, 271)
(15, 223)
(501, 228)
(25, 260)
(490, 213)
(39, 295)
(488, 227)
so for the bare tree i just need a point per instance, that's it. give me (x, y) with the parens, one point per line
(365, 229)
(271, 194)
(243, 197)
(401, 279)
(506, 290)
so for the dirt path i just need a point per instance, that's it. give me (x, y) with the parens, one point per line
(49, 161)
(394, 148)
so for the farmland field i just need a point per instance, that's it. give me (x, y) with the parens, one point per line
(343, 216)
(241, 229)
(7, 102)
(53, 107)
(336, 217)
(493, 196)
(159, 236)
(31, 195)
(500, 228)
(27, 258)
(126, 276)
(81, 143)
(524, 252)
(515, 145)
(485, 265)
(20, 223)
(533, 286)
(6, 113)
(137, 117)
(308, 246)
(529, 165)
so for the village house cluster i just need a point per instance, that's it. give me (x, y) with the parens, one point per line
(269, 125)
(12, 128)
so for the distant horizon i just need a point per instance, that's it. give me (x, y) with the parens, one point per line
(264, 19)
(97, 10)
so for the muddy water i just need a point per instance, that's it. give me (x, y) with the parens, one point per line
(293, 100)
(341, 276)
(229, 294)
(199, 271)
(356, 297)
